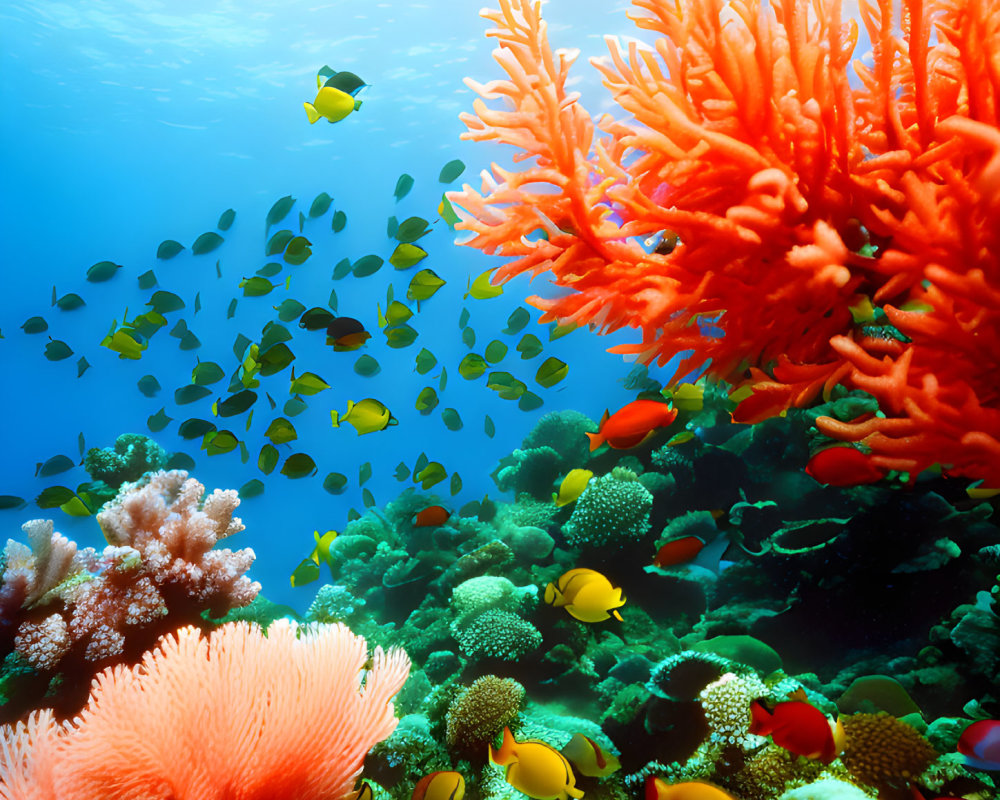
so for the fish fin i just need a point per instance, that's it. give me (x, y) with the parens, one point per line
(616, 615)
(596, 440)
(311, 112)
(572, 791)
(505, 754)
(357, 104)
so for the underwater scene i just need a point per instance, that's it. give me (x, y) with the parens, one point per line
(413, 401)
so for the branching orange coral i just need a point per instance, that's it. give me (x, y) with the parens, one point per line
(237, 715)
(797, 198)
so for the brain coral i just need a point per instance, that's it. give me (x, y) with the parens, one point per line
(479, 712)
(883, 752)
(476, 595)
(612, 511)
(498, 634)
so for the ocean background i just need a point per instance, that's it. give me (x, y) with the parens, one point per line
(128, 123)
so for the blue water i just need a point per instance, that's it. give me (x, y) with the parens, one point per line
(127, 123)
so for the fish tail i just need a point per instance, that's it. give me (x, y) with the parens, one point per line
(311, 112)
(572, 791)
(596, 440)
(505, 754)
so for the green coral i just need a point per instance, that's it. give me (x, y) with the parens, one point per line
(612, 511)
(132, 456)
(498, 634)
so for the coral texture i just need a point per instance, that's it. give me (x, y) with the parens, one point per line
(882, 752)
(228, 716)
(480, 712)
(613, 511)
(73, 612)
(815, 232)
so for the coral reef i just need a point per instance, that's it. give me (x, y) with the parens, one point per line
(613, 511)
(68, 613)
(481, 711)
(858, 212)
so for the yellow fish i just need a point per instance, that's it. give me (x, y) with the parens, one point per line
(535, 768)
(658, 789)
(331, 103)
(366, 416)
(365, 792)
(586, 594)
(590, 758)
(441, 785)
(572, 486)
(688, 397)
(321, 552)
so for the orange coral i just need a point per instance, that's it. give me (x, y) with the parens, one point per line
(795, 196)
(237, 715)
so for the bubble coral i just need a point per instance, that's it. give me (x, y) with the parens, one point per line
(613, 511)
(882, 752)
(726, 702)
(479, 712)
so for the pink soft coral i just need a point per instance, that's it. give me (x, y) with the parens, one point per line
(237, 715)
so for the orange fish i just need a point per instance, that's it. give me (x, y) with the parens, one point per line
(799, 728)
(659, 789)
(630, 425)
(535, 768)
(440, 785)
(346, 333)
(678, 551)
(843, 466)
(432, 515)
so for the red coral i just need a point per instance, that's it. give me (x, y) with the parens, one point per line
(795, 196)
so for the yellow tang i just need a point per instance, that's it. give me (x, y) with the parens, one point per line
(535, 768)
(586, 594)
(366, 416)
(658, 789)
(590, 758)
(331, 103)
(321, 552)
(572, 486)
(440, 785)
(365, 792)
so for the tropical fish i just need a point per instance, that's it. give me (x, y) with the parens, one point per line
(366, 416)
(799, 727)
(688, 397)
(980, 744)
(589, 757)
(364, 792)
(678, 551)
(321, 552)
(630, 425)
(572, 486)
(346, 333)
(843, 466)
(586, 594)
(658, 789)
(535, 768)
(440, 785)
(331, 103)
(432, 515)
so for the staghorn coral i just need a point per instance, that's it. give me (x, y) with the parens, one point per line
(479, 712)
(820, 232)
(224, 716)
(883, 753)
(613, 511)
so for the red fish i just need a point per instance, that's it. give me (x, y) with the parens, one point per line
(630, 425)
(980, 744)
(432, 515)
(678, 551)
(843, 466)
(799, 728)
